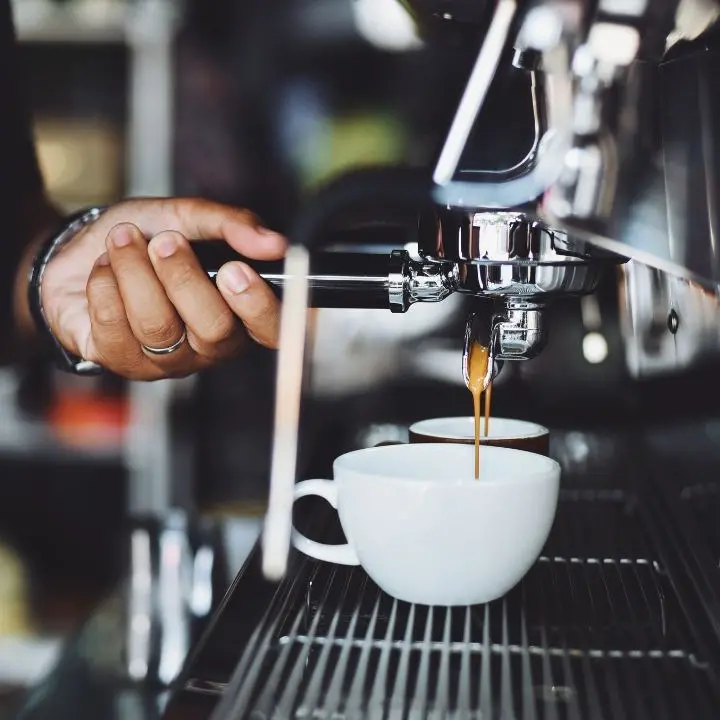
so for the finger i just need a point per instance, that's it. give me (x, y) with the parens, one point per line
(213, 330)
(151, 315)
(112, 343)
(241, 229)
(251, 299)
(200, 219)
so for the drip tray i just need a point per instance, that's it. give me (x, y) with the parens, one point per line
(595, 630)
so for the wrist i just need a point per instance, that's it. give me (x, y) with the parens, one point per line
(50, 220)
(47, 250)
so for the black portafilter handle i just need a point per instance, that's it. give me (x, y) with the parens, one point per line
(355, 279)
(336, 279)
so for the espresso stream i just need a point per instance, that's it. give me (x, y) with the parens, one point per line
(477, 371)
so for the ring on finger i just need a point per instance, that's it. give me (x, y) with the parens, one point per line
(167, 350)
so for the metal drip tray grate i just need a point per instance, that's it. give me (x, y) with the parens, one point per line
(583, 636)
(703, 500)
(564, 606)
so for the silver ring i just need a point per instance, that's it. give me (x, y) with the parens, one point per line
(167, 350)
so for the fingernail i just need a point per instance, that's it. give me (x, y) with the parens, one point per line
(165, 245)
(121, 237)
(234, 278)
(103, 260)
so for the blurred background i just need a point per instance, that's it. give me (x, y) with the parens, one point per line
(252, 103)
(234, 101)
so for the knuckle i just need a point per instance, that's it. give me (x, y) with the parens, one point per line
(105, 306)
(265, 312)
(263, 325)
(186, 210)
(183, 275)
(158, 331)
(247, 217)
(106, 314)
(222, 328)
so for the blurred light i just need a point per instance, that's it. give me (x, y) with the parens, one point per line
(385, 24)
(595, 348)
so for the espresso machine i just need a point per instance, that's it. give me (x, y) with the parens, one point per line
(617, 176)
(619, 616)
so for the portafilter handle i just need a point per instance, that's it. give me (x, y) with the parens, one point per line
(391, 281)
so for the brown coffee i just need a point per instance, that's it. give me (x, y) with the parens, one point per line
(478, 363)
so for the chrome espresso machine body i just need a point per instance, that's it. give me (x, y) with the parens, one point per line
(619, 178)
(620, 169)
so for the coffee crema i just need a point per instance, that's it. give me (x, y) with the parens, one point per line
(478, 364)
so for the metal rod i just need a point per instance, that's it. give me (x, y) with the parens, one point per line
(476, 91)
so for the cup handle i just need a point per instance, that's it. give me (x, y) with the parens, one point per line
(339, 554)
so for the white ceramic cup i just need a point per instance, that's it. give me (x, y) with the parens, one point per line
(426, 531)
(504, 432)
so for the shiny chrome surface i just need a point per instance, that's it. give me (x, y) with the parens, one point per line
(668, 324)
(411, 281)
(532, 282)
(519, 330)
(502, 254)
(509, 237)
(668, 219)
(548, 30)
(477, 89)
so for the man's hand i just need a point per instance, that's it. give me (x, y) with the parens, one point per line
(131, 280)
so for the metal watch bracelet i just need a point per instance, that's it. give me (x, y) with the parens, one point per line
(64, 359)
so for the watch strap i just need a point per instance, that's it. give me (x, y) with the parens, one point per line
(72, 225)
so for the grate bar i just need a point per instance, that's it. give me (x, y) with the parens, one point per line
(485, 686)
(355, 696)
(547, 674)
(397, 701)
(629, 679)
(572, 702)
(572, 560)
(475, 648)
(379, 691)
(334, 694)
(442, 702)
(508, 705)
(418, 707)
(529, 711)
(588, 675)
(463, 707)
(287, 699)
(314, 688)
(240, 687)
(267, 699)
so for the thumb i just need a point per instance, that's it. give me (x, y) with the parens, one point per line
(252, 300)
